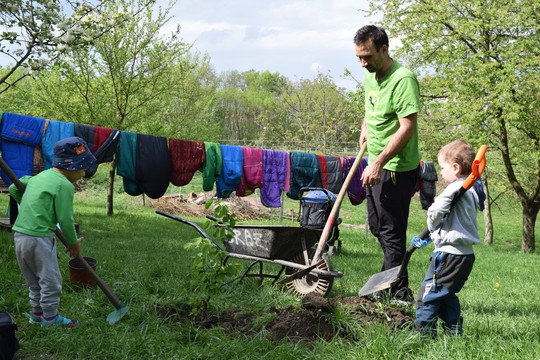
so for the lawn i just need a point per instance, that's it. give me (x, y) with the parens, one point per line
(141, 256)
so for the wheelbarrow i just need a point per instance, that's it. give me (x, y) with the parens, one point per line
(288, 246)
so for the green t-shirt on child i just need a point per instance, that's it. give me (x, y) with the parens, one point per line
(47, 201)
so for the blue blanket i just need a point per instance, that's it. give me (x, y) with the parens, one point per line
(56, 130)
(305, 172)
(20, 134)
(232, 165)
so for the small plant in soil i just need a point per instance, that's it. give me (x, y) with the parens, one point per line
(207, 272)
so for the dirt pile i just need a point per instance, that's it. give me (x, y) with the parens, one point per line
(314, 321)
(245, 208)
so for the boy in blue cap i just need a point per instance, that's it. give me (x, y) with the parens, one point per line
(48, 201)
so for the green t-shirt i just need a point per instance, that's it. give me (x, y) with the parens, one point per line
(393, 97)
(47, 201)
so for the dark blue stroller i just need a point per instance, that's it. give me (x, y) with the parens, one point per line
(315, 207)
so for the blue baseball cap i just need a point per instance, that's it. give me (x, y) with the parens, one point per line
(72, 153)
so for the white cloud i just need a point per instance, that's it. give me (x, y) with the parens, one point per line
(293, 37)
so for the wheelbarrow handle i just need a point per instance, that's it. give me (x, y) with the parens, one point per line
(213, 218)
(192, 224)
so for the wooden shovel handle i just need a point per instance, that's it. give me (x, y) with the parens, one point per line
(335, 208)
(112, 297)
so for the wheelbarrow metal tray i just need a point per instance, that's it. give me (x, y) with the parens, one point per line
(271, 242)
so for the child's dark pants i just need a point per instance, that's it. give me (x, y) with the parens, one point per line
(437, 297)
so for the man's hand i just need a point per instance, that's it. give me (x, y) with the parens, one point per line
(420, 243)
(371, 175)
(74, 249)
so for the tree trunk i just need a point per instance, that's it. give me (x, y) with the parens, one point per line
(488, 220)
(530, 212)
(110, 191)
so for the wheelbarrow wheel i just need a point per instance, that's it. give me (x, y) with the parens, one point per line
(310, 283)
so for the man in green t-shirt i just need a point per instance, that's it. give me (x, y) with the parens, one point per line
(392, 101)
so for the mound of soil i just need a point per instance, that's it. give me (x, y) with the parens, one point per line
(245, 208)
(314, 321)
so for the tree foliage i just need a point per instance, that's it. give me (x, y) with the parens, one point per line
(246, 102)
(480, 61)
(319, 116)
(36, 32)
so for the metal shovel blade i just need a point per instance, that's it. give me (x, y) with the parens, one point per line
(116, 315)
(381, 281)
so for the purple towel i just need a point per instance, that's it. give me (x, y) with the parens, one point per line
(274, 177)
(355, 192)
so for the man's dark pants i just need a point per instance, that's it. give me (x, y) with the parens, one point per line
(388, 212)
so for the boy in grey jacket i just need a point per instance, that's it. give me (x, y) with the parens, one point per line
(453, 231)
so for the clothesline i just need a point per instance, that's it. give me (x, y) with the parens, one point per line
(149, 164)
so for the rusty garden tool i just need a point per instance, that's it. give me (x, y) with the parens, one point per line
(121, 310)
(387, 278)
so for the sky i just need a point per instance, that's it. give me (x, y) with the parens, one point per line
(296, 38)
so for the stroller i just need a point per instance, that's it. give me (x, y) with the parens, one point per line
(315, 207)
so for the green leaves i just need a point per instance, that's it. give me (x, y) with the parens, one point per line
(208, 271)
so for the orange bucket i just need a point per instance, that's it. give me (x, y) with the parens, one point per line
(78, 274)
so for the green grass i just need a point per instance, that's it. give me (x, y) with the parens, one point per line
(141, 257)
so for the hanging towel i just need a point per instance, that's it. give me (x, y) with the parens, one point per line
(212, 165)
(101, 134)
(356, 191)
(252, 171)
(125, 165)
(305, 172)
(152, 165)
(186, 157)
(105, 152)
(331, 173)
(232, 162)
(56, 130)
(275, 166)
(85, 132)
(20, 134)
(427, 185)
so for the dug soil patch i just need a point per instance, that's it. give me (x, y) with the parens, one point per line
(315, 320)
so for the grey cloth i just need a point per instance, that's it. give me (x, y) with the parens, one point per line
(39, 265)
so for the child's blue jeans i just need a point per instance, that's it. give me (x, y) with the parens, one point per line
(437, 297)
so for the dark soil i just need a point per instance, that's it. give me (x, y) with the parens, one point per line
(315, 320)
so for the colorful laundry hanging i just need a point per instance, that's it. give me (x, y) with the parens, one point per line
(152, 165)
(232, 162)
(331, 172)
(252, 172)
(55, 131)
(276, 170)
(20, 134)
(212, 166)
(126, 162)
(186, 158)
(355, 191)
(85, 132)
(305, 172)
(105, 152)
